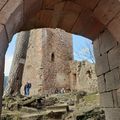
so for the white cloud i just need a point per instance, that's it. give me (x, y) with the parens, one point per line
(8, 62)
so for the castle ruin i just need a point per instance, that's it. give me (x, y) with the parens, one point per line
(96, 19)
(49, 65)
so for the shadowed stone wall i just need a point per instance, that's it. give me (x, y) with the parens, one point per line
(17, 67)
(107, 53)
(3, 48)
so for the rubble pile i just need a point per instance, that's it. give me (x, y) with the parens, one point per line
(67, 106)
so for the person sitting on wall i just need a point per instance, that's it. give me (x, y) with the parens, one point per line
(27, 89)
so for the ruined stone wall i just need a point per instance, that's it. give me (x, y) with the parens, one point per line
(107, 53)
(57, 52)
(17, 67)
(47, 65)
(3, 47)
(33, 61)
(83, 76)
(50, 65)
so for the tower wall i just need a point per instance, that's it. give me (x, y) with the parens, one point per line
(47, 63)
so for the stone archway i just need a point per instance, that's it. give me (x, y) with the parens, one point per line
(80, 17)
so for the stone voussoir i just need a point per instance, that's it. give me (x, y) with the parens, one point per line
(3, 41)
(12, 16)
(107, 42)
(2, 3)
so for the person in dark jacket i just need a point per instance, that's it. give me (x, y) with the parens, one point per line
(27, 89)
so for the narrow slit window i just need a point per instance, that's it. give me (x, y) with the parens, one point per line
(52, 57)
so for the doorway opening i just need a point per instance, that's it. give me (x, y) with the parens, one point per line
(8, 60)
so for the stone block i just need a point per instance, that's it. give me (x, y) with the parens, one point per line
(107, 42)
(116, 73)
(106, 100)
(118, 97)
(12, 16)
(3, 41)
(114, 57)
(112, 113)
(101, 84)
(2, 3)
(106, 10)
(96, 45)
(112, 79)
(90, 5)
(115, 98)
(109, 81)
(114, 27)
(65, 23)
(87, 20)
(102, 65)
(34, 4)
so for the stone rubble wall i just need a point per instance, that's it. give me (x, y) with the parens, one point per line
(86, 79)
(46, 75)
(107, 53)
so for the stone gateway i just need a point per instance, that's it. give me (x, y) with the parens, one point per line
(82, 17)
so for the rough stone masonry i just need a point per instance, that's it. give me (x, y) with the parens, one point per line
(79, 17)
(47, 66)
(50, 65)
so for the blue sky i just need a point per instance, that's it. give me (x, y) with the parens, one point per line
(9, 55)
(80, 45)
(80, 48)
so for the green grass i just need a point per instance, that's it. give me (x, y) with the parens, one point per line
(92, 98)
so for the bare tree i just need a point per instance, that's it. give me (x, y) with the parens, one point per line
(85, 53)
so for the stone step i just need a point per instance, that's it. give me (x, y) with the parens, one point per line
(28, 110)
(32, 117)
(58, 108)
